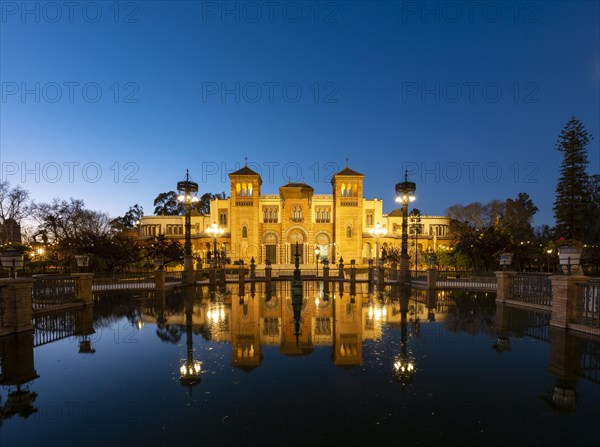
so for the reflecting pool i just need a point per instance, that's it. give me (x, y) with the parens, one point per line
(258, 367)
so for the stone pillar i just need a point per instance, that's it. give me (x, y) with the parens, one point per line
(188, 277)
(565, 366)
(564, 298)
(341, 268)
(267, 280)
(371, 275)
(16, 297)
(252, 268)
(212, 278)
(504, 281)
(431, 304)
(268, 272)
(431, 278)
(241, 274)
(380, 276)
(223, 276)
(394, 271)
(84, 287)
(352, 279)
(404, 269)
(325, 279)
(159, 279)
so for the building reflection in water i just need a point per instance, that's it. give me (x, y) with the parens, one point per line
(341, 317)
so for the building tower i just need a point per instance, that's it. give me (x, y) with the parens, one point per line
(245, 192)
(348, 213)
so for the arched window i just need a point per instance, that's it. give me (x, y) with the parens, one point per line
(244, 231)
(348, 231)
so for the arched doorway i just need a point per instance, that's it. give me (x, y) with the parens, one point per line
(270, 244)
(296, 240)
(323, 243)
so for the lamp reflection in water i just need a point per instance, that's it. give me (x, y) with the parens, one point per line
(404, 364)
(191, 369)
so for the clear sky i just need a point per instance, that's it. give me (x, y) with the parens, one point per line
(110, 101)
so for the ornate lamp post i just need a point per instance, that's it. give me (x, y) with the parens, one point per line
(377, 231)
(188, 191)
(405, 193)
(214, 231)
(317, 252)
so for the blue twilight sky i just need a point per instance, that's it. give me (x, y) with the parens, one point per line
(111, 101)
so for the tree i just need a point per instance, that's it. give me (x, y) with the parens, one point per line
(518, 216)
(68, 226)
(166, 204)
(169, 249)
(483, 232)
(14, 207)
(130, 219)
(594, 221)
(572, 203)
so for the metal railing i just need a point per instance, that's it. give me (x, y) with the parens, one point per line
(588, 303)
(123, 281)
(53, 290)
(419, 275)
(52, 327)
(466, 279)
(171, 277)
(534, 288)
(590, 360)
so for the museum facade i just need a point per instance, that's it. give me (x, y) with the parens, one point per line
(273, 226)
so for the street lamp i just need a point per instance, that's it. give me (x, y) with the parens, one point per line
(549, 253)
(317, 252)
(188, 191)
(377, 231)
(214, 231)
(405, 193)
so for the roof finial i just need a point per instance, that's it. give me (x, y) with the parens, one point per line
(246, 160)
(406, 175)
(187, 175)
(346, 161)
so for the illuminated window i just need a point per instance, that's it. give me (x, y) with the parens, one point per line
(222, 217)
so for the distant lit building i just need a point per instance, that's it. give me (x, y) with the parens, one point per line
(268, 226)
